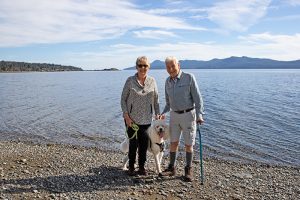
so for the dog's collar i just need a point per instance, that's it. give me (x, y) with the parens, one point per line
(161, 146)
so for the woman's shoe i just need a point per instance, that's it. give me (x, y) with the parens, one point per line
(142, 171)
(131, 171)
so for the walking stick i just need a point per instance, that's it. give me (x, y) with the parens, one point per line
(201, 156)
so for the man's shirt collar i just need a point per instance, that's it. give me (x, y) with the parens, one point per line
(176, 77)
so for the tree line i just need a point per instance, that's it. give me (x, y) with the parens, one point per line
(12, 66)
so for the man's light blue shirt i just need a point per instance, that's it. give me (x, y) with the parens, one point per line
(182, 93)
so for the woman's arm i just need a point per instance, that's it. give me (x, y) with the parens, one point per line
(124, 96)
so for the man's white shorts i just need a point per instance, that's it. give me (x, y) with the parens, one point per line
(184, 123)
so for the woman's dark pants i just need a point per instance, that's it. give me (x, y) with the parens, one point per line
(140, 143)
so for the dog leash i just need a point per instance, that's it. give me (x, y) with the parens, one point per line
(135, 128)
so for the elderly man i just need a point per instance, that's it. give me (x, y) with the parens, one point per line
(185, 102)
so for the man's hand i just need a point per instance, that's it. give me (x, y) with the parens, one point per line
(200, 120)
(128, 120)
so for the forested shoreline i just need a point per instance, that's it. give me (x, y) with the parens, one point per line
(12, 66)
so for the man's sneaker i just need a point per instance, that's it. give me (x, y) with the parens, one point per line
(131, 171)
(170, 171)
(188, 174)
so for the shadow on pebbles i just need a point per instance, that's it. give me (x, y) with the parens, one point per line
(54, 171)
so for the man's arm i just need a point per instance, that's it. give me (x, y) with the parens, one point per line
(197, 98)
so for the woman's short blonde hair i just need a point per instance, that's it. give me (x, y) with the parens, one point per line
(142, 58)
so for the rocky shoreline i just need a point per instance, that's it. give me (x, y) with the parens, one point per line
(57, 171)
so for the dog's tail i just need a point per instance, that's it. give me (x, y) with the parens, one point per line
(124, 146)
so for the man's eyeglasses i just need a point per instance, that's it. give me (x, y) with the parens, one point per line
(141, 66)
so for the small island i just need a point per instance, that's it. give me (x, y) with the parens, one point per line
(110, 69)
(105, 69)
(12, 66)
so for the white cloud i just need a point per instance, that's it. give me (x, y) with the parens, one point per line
(293, 2)
(275, 39)
(154, 34)
(174, 2)
(164, 11)
(264, 45)
(199, 17)
(237, 15)
(230, 15)
(36, 21)
(282, 18)
(119, 46)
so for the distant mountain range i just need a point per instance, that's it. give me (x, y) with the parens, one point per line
(231, 63)
(11, 66)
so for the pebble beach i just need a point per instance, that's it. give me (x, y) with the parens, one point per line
(58, 171)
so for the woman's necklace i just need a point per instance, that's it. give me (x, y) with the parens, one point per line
(142, 83)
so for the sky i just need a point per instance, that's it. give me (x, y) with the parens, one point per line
(97, 34)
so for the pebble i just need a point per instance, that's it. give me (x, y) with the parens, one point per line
(220, 185)
(163, 193)
(243, 175)
(249, 188)
(236, 197)
(95, 179)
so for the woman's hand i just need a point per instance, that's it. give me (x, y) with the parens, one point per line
(162, 117)
(128, 120)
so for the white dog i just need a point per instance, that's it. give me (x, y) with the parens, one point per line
(158, 133)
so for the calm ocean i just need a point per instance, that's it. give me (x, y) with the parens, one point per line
(251, 115)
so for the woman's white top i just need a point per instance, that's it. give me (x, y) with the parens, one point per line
(140, 102)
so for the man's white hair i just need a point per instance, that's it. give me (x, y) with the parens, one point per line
(171, 58)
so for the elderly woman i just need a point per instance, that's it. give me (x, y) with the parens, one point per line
(139, 103)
